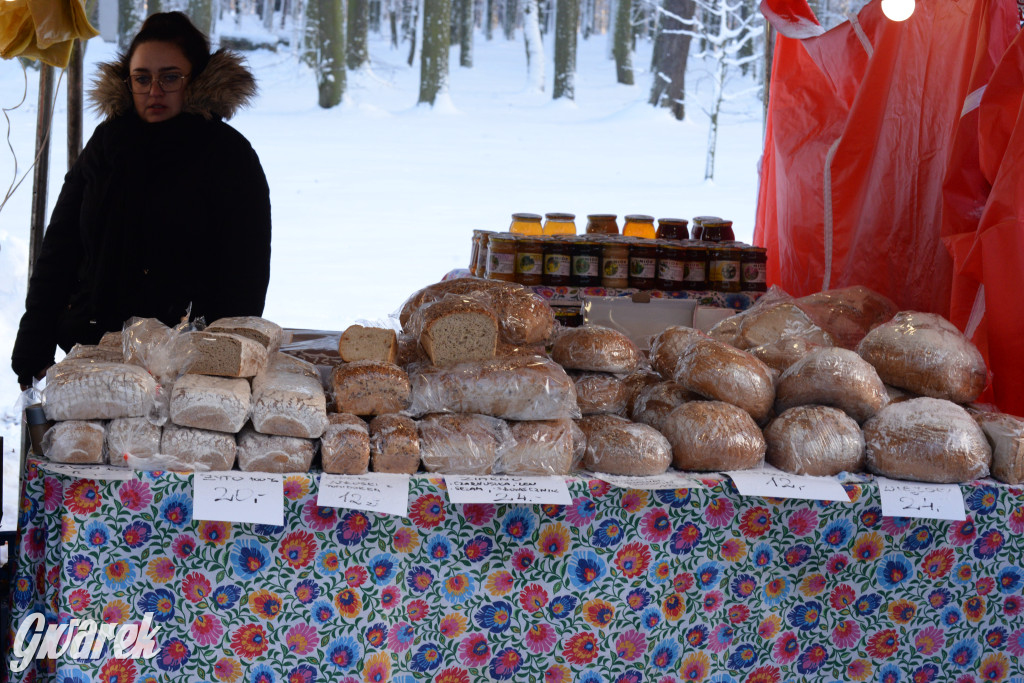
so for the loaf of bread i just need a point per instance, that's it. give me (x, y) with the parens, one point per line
(834, 377)
(345, 445)
(709, 436)
(108, 354)
(927, 355)
(287, 401)
(283, 362)
(926, 439)
(601, 392)
(1005, 434)
(768, 324)
(219, 404)
(184, 448)
(847, 314)
(617, 446)
(518, 388)
(816, 440)
(667, 348)
(112, 340)
(394, 444)
(579, 443)
(141, 337)
(654, 403)
(317, 347)
(131, 437)
(368, 343)
(269, 453)
(456, 329)
(75, 441)
(781, 354)
(268, 334)
(723, 373)
(96, 390)
(462, 443)
(225, 355)
(595, 348)
(370, 387)
(539, 447)
(410, 351)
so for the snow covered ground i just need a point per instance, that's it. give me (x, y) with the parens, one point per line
(378, 197)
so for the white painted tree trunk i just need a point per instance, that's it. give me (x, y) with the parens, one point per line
(534, 46)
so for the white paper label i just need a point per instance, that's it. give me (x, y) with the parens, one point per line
(98, 472)
(376, 492)
(918, 499)
(253, 497)
(656, 482)
(772, 483)
(469, 488)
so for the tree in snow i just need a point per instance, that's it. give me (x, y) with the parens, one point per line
(326, 48)
(567, 18)
(466, 26)
(130, 14)
(622, 48)
(436, 40)
(356, 51)
(671, 50)
(534, 46)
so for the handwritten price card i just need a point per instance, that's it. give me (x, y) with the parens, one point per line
(95, 472)
(658, 482)
(772, 483)
(469, 488)
(238, 497)
(377, 492)
(917, 499)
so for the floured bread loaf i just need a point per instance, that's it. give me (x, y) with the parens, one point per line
(219, 404)
(394, 444)
(283, 362)
(462, 443)
(345, 445)
(370, 387)
(287, 401)
(815, 440)
(267, 333)
(539, 447)
(76, 442)
(595, 348)
(711, 436)
(834, 377)
(95, 390)
(225, 355)
(926, 439)
(617, 446)
(654, 403)
(109, 354)
(184, 448)
(276, 454)
(847, 314)
(457, 330)
(601, 392)
(927, 355)
(129, 437)
(1005, 434)
(519, 388)
(368, 343)
(720, 372)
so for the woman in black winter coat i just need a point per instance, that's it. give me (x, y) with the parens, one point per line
(166, 212)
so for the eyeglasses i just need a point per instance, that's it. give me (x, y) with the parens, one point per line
(142, 84)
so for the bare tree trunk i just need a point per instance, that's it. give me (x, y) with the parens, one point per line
(716, 108)
(490, 14)
(671, 50)
(534, 47)
(201, 13)
(356, 53)
(623, 50)
(567, 19)
(129, 18)
(416, 26)
(329, 27)
(466, 34)
(268, 14)
(509, 23)
(436, 40)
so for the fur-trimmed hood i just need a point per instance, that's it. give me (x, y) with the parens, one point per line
(224, 86)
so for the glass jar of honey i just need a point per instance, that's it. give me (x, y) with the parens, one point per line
(501, 257)
(754, 270)
(672, 229)
(559, 224)
(695, 267)
(717, 231)
(724, 268)
(481, 254)
(557, 263)
(602, 224)
(615, 263)
(526, 224)
(530, 260)
(670, 266)
(586, 263)
(697, 226)
(643, 264)
(639, 225)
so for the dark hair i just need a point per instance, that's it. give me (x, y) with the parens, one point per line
(177, 29)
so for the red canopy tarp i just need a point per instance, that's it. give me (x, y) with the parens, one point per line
(865, 123)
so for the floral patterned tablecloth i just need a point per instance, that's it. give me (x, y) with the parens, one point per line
(620, 586)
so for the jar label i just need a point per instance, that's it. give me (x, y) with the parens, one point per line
(586, 266)
(693, 271)
(755, 272)
(670, 270)
(640, 267)
(501, 263)
(615, 268)
(557, 264)
(725, 271)
(530, 263)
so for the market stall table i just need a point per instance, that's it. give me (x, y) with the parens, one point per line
(697, 584)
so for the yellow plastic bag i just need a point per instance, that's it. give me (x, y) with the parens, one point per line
(42, 29)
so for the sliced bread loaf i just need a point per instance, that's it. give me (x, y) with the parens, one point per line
(368, 343)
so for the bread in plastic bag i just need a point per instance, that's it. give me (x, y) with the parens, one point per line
(131, 437)
(654, 403)
(75, 441)
(517, 388)
(926, 439)
(1005, 434)
(616, 445)
(595, 348)
(97, 390)
(269, 453)
(345, 445)
(848, 313)
(269, 334)
(225, 355)
(456, 329)
(188, 449)
(767, 322)
(834, 377)
(539, 447)
(462, 443)
(709, 436)
(815, 440)
(927, 355)
(601, 392)
(109, 354)
(370, 387)
(220, 404)
(721, 372)
(394, 444)
(288, 399)
(781, 354)
(667, 348)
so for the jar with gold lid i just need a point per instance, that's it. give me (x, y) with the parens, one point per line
(501, 257)
(602, 224)
(672, 229)
(717, 231)
(526, 224)
(639, 225)
(559, 224)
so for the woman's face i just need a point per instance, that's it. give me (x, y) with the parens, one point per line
(155, 59)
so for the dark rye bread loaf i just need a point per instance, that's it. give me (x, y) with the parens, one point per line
(815, 440)
(708, 436)
(834, 377)
(595, 348)
(370, 387)
(617, 446)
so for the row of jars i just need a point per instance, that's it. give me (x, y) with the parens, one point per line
(618, 262)
(705, 228)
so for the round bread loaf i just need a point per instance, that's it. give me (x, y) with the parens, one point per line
(926, 354)
(668, 346)
(781, 354)
(462, 443)
(654, 403)
(595, 348)
(847, 314)
(709, 436)
(539, 447)
(720, 372)
(769, 324)
(617, 446)
(926, 439)
(77, 442)
(816, 440)
(834, 377)
(601, 392)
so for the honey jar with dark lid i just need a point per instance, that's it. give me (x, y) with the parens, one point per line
(501, 257)
(754, 268)
(724, 268)
(717, 231)
(615, 263)
(697, 225)
(602, 224)
(481, 253)
(530, 259)
(695, 266)
(586, 263)
(643, 264)
(672, 229)
(671, 264)
(557, 263)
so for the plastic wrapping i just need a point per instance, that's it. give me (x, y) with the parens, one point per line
(834, 377)
(781, 354)
(75, 441)
(723, 373)
(359, 342)
(601, 392)
(926, 439)
(187, 449)
(711, 436)
(617, 446)
(131, 437)
(595, 348)
(456, 329)
(654, 403)
(219, 404)
(668, 346)
(815, 440)
(370, 387)
(345, 445)
(97, 390)
(108, 354)
(774, 317)
(1005, 434)
(540, 447)
(268, 334)
(519, 388)
(287, 400)
(394, 444)
(463, 443)
(318, 348)
(267, 453)
(926, 354)
(849, 313)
